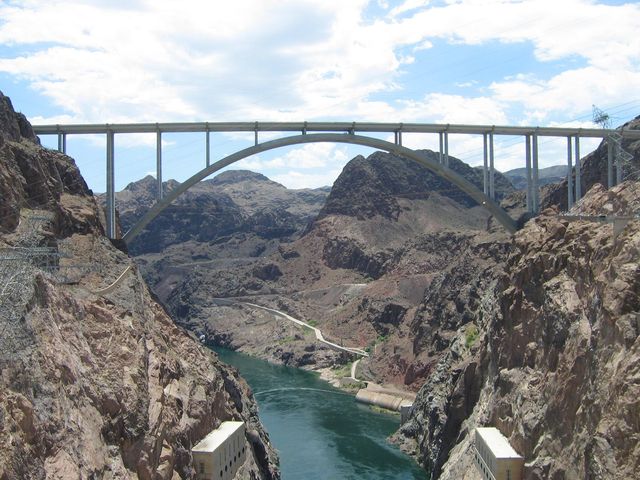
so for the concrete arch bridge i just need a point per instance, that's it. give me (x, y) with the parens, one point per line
(355, 134)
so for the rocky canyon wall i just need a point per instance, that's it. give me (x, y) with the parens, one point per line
(95, 383)
(556, 365)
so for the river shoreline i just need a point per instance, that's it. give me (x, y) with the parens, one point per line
(320, 431)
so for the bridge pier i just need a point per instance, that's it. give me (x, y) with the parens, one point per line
(111, 203)
(208, 147)
(159, 163)
(619, 166)
(569, 174)
(446, 149)
(536, 191)
(528, 170)
(610, 164)
(492, 172)
(485, 168)
(578, 169)
(62, 142)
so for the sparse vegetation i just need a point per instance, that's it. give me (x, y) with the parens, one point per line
(471, 335)
(286, 340)
(342, 370)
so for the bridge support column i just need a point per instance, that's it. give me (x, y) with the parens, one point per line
(528, 164)
(578, 169)
(441, 156)
(619, 166)
(446, 149)
(62, 142)
(492, 173)
(111, 203)
(208, 147)
(485, 168)
(534, 176)
(159, 163)
(610, 181)
(569, 174)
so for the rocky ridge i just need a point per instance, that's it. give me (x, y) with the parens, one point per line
(237, 206)
(546, 176)
(95, 383)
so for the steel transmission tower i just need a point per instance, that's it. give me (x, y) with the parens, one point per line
(618, 156)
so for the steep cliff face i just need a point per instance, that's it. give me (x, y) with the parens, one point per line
(557, 361)
(95, 382)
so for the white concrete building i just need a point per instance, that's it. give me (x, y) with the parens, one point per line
(495, 457)
(219, 455)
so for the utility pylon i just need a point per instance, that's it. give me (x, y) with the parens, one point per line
(616, 154)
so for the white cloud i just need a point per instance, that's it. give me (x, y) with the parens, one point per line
(249, 60)
(407, 6)
(154, 61)
(296, 179)
(310, 156)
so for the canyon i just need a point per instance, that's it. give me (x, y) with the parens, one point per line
(516, 332)
(103, 365)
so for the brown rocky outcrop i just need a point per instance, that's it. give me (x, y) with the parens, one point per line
(371, 186)
(94, 383)
(557, 357)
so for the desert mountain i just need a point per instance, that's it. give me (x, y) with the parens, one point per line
(375, 186)
(237, 204)
(97, 381)
(553, 174)
(388, 228)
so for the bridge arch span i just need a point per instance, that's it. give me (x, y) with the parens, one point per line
(467, 187)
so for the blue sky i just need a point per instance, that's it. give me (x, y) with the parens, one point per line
(533, 62)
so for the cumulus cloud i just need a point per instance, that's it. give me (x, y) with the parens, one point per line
(246, 60)
(307, 180)
(151, 61)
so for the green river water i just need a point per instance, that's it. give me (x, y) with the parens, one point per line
(320, 432)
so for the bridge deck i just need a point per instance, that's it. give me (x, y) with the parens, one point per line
(346, 127)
